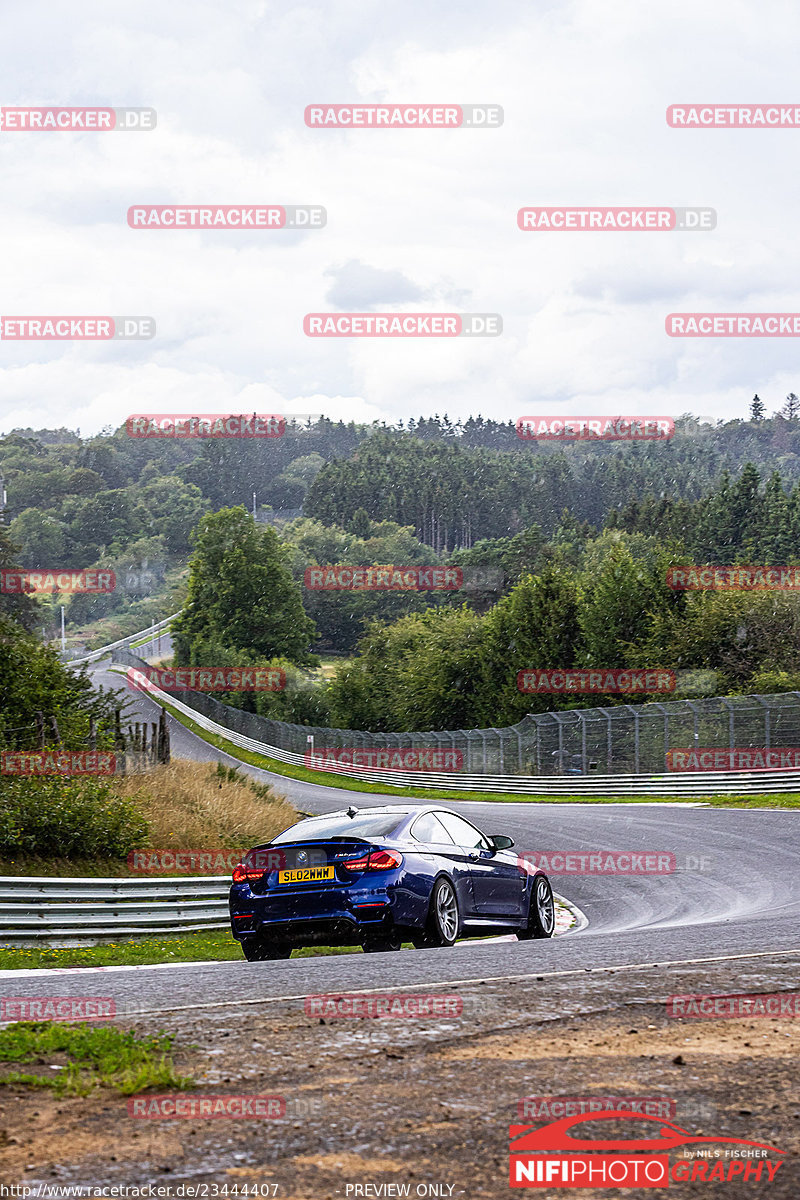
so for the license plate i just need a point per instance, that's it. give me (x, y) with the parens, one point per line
(306, 875)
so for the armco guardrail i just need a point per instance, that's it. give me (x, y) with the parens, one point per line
(63, 912)
(702, 783)
(126, 641)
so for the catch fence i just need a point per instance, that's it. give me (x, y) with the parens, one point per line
(625, 739)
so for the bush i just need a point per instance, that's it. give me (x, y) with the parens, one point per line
(67, 818)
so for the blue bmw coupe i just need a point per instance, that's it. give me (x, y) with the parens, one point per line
(378, 877)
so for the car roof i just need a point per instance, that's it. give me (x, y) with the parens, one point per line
(412, 810)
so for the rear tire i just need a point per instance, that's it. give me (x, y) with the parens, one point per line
(542, 913)
(379, 944)
(255, 950)
(444, 922)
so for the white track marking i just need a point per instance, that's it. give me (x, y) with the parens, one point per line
(441, 983)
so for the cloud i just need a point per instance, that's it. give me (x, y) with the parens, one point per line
(416, 218)
(357, 287)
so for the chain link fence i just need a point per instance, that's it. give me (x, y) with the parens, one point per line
(626, 739)
(138, 746)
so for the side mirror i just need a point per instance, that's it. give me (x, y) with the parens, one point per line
(500, 841)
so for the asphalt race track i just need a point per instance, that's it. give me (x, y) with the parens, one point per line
(735, 892)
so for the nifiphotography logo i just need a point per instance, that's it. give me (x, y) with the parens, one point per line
(559, 1155)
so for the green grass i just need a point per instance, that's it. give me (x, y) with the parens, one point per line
(89, 1056)
(779, 800)
(328, 779)
(207, 945)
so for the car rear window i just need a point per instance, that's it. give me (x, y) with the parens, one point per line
(365, 825)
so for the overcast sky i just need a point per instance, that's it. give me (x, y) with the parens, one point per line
(417, 220)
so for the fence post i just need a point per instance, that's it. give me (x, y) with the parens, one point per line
(40, 730)
(163, 737)
(120, 748)
(636, 741)
(92, 734)
(54, 727)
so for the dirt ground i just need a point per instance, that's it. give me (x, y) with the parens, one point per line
(420, 1102)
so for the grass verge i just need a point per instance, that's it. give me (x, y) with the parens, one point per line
(75, 1059)
(326, 779)
(190, 804)
(205, 946)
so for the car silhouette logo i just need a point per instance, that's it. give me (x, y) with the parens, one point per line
(558, 1136)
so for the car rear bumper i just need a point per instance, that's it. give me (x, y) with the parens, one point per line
(309, 916)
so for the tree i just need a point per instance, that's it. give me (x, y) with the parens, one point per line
(361, 525)
(241, 593)
(758, 409)
(172, 509)
(535, 626)
(616, 612)
(41, 539)
(422, 672)
(791, 409)
(33, 679)
(22, 608)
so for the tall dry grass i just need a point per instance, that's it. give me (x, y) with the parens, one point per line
(191, 805)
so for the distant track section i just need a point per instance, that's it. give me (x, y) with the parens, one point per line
(123, 642)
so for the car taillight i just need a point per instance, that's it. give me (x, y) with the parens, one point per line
(377, 860)
(243, 874)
